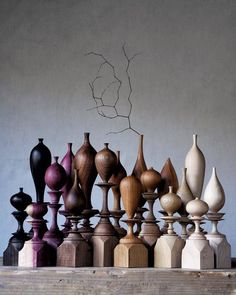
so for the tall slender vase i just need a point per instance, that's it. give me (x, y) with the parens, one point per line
(85, 164)
(184, 193)
(195, 164)
(140, 166)
(40, 160)
(68, 164)
(116, 212)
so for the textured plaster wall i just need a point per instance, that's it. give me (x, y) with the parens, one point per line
(183, 83)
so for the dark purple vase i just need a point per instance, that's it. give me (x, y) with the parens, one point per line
(55, 176)
(68, 164)
(40, 160)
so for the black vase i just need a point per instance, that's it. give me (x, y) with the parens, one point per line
(40, 160)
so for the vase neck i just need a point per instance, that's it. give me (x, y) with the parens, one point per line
(86, 138)
(194, 139)
(69, 146)
(140, 148)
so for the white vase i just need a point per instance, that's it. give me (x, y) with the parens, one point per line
(214, 193)
(195, 164)
(184, 193)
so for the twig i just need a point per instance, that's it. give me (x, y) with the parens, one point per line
(99, 100)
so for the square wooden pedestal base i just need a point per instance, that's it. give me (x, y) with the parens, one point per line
(103, 250)
(130, 255)
(197, 254)
(74, 254)
(33, 254)
(167, 252)
(222, 250)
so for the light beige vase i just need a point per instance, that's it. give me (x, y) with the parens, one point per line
(214, 194)
(184, 193)
(195, 164)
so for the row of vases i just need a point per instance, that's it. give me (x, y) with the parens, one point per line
(84, 162)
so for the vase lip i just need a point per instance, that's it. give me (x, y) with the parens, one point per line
(56, 159)
(106, 145)
(69, 144)
(195, 139)
(21, 189)
(40, 139)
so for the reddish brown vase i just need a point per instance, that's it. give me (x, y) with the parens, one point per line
(68, 164)
(168, 178)
(116, 178)
(140, 166)
(106, 162)
(75, 201)
(85, 165)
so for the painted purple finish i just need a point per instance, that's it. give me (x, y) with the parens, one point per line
(68, 164)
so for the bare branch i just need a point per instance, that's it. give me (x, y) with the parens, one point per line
(100, 105)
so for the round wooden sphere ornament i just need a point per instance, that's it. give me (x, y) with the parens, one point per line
(170, 202)
(197, 207)
(150, 179)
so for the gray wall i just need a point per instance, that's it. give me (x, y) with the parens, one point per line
(183, 83)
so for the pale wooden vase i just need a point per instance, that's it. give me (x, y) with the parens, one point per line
(195, 164)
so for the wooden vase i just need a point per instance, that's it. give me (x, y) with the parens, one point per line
(168, 248)
(85, 165)
(74, 251)
(20, 201)
(184, 193)
(117, 176)
(169, 178)
(35, 251)
(40, 160)
(117, 213)
(106, 162)
(195, 164)
(55, 176)
(197, 253)
(68, 164)
(131, 251)
(214, 194)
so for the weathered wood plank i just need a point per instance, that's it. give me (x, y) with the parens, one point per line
(94, 281)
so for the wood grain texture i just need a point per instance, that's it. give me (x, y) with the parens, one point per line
(108, 281)
(84, 162)
(168, 178)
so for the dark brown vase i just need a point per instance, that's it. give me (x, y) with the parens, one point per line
(85, 165)
(68, 164)
(20, 201)
(106, 162)
(40, 160)
(75, 202)
(140, 166)
(168, 178)
(55, 176)
(116, 178)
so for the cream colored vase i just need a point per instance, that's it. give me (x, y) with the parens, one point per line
(214, 194)
(184, 193)
(195, 164)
